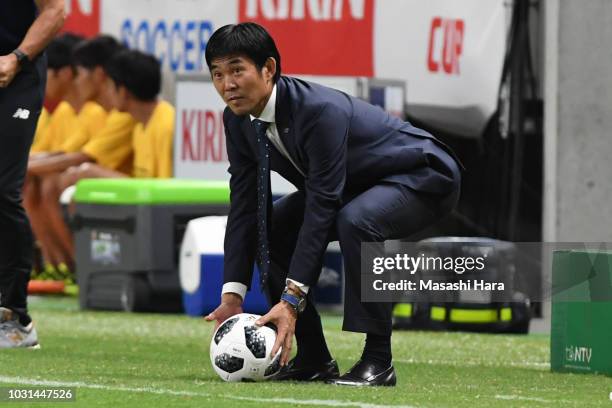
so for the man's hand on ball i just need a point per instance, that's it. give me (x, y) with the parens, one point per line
(283, 316)
(231, 304)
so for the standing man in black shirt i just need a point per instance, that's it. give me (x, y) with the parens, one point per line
(26, 27)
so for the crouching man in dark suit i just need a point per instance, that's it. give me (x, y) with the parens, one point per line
(361, 176)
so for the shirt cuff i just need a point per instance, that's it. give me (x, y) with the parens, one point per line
(235, 287)
(303, 288)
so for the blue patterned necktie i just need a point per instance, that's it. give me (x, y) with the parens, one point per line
(263, 198)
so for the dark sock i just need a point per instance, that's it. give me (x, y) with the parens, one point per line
(25, 320)
(377, 350)
(312, 350)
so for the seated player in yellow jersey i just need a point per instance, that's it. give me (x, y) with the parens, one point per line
(90, 141)
(136, 82)
(60, 88)
(91, 80)
(110, 145)
(66, 131)
(136, 79)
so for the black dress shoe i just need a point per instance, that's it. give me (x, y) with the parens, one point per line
(319, 372)
(364, 374)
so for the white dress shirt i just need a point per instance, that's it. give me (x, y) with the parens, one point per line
(268, 115)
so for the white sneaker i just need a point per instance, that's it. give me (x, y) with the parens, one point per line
(13, 334)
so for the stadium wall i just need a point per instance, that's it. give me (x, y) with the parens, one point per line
(578, 186)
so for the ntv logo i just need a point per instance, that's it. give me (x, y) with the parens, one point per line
(296, 9)
(578, 354)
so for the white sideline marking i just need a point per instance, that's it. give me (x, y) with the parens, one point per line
(329, 403)
(518, 397)
(524, 364)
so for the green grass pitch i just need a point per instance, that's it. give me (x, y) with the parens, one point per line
(145, 360)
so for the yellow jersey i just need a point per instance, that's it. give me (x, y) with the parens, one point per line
(91, 118)
(153, 144)
(111, 147)
(61, 123)
(41, 126)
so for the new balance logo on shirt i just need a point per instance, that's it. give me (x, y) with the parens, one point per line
(21, 113)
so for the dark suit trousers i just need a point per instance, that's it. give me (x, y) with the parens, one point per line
(385, 211)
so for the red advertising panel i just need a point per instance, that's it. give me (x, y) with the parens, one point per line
(82, 17)
(318, 37)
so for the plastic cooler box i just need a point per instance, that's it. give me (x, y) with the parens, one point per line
(581, 324)
(201, 269)
(128, 234)
(201, 272)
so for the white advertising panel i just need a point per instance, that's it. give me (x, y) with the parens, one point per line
(450, 53)
(199, 137)
(348, 85)
(176, 31)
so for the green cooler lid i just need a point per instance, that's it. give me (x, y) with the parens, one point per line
(133, 191)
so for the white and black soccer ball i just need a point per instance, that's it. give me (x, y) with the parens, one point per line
(240, 350)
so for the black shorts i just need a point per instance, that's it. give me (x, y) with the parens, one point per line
(20, 106)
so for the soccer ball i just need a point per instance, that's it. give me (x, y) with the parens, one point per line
(240, 350)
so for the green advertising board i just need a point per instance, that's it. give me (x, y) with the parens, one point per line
(581, 327)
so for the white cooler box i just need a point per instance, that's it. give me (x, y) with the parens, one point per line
(201, 271)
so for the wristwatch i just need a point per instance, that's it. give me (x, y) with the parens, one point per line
(298, 303)
(22, 58)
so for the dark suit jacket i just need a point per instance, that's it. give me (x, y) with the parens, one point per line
(344, 145)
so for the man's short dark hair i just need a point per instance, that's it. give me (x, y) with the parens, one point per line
(59, 50)
(96, 52)
(249, 39)
(138, 72)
